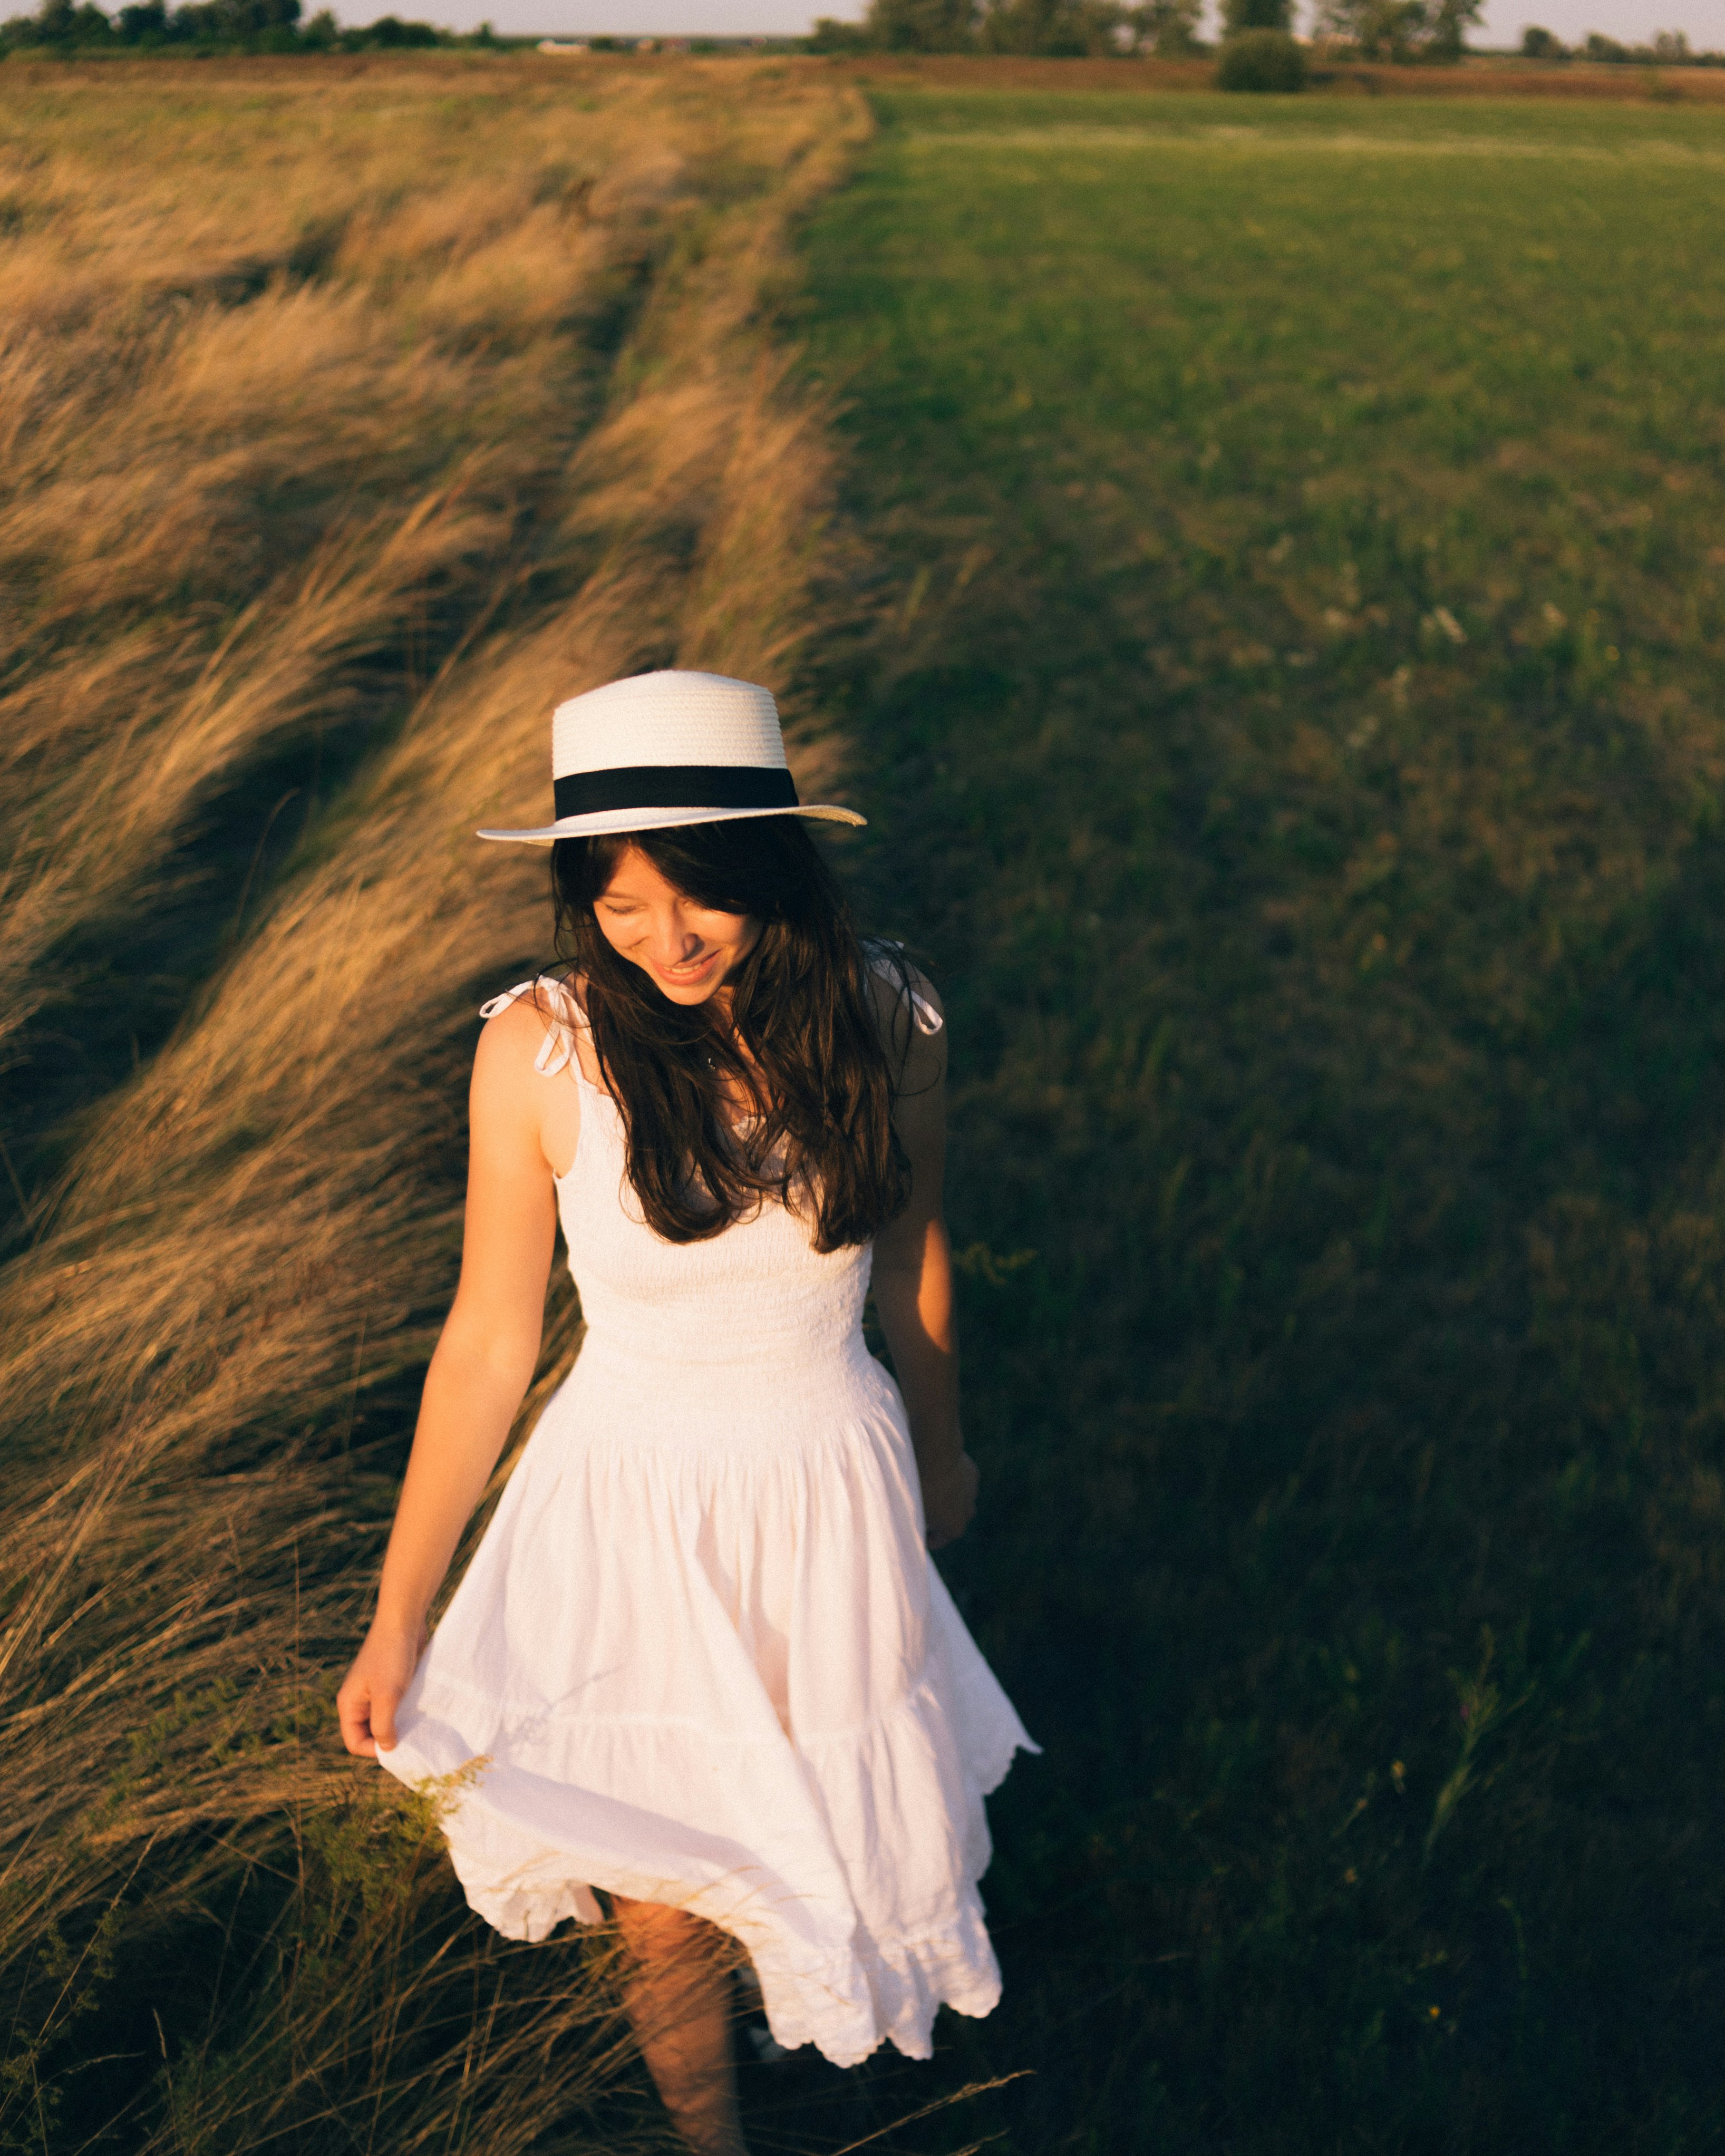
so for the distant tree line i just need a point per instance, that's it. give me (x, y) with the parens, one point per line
(1403, 30)
(213, 26)
(1400, 30)
(1055, 29)
(1668, 49)
(1374, 29)
(1259, 50)
(1258, 33)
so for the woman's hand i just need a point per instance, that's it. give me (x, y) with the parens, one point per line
(949, 1499)
(373, 1688)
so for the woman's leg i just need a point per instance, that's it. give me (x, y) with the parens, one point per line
(677, 1993)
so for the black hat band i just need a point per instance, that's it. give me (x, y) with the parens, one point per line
(674, 785)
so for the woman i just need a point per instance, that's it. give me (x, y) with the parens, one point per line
(701, 1661)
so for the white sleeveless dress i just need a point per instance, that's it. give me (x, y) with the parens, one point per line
(702, 1655)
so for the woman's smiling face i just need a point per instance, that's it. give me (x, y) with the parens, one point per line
(686, 949)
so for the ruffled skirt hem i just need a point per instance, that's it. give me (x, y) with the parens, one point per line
(530, 1848)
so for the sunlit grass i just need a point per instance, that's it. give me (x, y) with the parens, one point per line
(369, 416)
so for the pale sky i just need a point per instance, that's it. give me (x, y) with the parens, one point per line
(1632, 21)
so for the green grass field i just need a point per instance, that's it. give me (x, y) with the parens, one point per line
(1290, 708)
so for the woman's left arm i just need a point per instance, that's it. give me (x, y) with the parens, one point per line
(913, 1277)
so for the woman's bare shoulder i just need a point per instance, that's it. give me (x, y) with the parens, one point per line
(527, 1039)
(909, 1011)
(514, 1029)
(520, 1022)
(898, 984)
(509, 1045)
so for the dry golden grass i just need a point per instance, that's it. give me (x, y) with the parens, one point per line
(420, 370)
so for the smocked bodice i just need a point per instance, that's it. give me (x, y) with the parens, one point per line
(756, 1299)
(755, 1295)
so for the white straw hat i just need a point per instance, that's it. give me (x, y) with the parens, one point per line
(663, 749)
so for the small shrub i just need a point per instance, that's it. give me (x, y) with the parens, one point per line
(1538, 45)
(389, 32)
(1261, 60)
(829, 35)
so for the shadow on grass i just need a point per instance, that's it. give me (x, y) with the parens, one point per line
(1327, 904)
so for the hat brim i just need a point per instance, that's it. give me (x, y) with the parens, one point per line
(609, 823)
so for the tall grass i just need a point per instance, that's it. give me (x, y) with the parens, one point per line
(365, 417)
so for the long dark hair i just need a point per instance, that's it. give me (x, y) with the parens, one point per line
(804, 1045)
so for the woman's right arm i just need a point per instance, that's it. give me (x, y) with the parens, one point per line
(479, 1375)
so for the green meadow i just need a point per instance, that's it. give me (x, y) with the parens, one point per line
(1291, 713)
